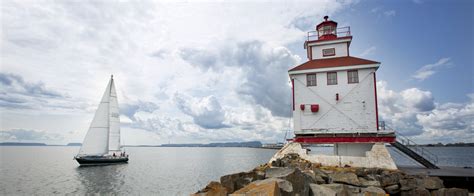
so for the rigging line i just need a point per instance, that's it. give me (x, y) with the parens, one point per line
(342, 98)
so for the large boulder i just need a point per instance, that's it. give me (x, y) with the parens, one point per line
(366, 183)
(212, 189)
(373, 191)
(432, 183)
(388, 178)
(298, 179)
(416, 192)
(344, 177)
(450, 192)
(316, 178)
(269, 187)
(343, 189)
(317, 190)
(237, 181)
(411, 183)
(292, 160)
(392, 189)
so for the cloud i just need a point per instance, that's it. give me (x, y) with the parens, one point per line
(13, 83)
(156, 50)
(399, 109)
(449, 122)
(130, 109)
(22, 135)
(428, 70)
(17, 93)
(206, 112)
(264, 67)
(390, 13)
(368, 51)
(413, 112)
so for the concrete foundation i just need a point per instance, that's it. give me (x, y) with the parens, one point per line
(377, 157)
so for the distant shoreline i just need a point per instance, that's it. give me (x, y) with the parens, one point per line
(230, 144)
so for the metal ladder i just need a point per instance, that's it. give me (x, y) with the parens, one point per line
(413, 150)
(416, 152)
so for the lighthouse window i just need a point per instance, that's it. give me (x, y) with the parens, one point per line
(352, 76)
(332, 78)
(311, 79)
(329, 52)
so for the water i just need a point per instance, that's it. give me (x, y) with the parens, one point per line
(151, 171)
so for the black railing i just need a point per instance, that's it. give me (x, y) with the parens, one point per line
(340, 32)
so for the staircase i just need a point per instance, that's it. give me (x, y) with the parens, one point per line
(416, 152)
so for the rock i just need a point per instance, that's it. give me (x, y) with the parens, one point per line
(212, 189)
(269, 188)
(343, 189)
(373, 191)
(286, 188)
(316, 190)
(433, 183)
(298, 179)
(392, 189)
(450, 192)
(410, 183)
(238, 180)
(278, 172)
(416, 192)
(321, 173)
(317, 179)
(367, 183)
(344, 177)
(389, 178)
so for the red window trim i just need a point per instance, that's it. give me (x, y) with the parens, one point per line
(333, 54)
(327, 77)
(348, 81)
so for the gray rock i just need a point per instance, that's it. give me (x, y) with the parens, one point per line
(344, 177)
(237, 181)
(410, 184)
(319, 190)
(392, 189)
(321, 173)
(433, 183)
(317, 179)
(450, 192)
(343, 189)
(298, 179)
(416, 192)
(389, 178)
(286, 188)
(366, 183)
(372, 191)
(278, 172)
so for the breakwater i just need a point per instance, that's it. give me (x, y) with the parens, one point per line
(291, 175)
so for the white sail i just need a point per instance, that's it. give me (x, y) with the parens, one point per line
(114, 121)
(103, 136)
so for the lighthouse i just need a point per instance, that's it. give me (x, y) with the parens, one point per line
(334, 101)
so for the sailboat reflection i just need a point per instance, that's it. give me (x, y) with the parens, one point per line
(102, 180)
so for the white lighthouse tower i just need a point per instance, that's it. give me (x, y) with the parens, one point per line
(335, 95)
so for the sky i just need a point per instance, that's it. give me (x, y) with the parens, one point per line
(217, 71)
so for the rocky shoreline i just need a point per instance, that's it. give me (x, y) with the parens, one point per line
(291, 175)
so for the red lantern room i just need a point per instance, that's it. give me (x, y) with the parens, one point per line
(327, 29)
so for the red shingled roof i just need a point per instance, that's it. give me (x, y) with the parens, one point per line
(333, 62)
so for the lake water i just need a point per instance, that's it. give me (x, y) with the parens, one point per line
(151, 171)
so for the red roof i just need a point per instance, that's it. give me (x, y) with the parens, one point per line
(333, 62)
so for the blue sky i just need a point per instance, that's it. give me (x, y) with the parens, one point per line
(217, 71)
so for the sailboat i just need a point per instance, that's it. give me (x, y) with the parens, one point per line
(102, 142)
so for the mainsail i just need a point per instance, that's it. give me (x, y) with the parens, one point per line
(103, 136)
